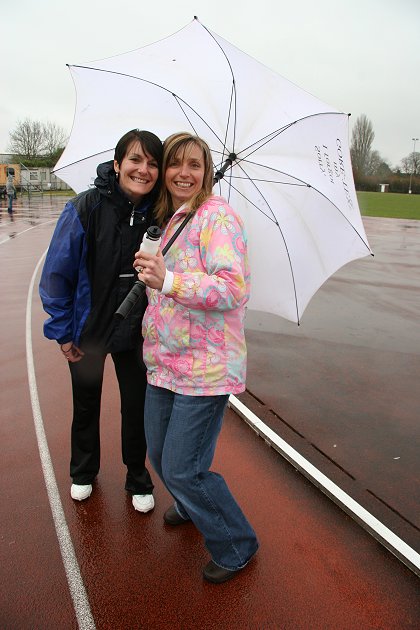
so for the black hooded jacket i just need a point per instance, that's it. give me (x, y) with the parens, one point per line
(89, 267)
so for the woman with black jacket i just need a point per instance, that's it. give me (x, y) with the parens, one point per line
(87, 273)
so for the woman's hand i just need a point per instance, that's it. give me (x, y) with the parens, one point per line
(71, 352)
(151, 269)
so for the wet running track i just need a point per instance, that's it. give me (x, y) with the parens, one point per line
(342, 389)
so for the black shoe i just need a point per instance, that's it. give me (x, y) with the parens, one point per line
(171, 517)
(213, 573)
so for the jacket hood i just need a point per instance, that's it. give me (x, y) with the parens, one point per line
(106, 181)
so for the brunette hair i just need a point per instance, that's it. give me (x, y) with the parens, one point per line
(150, 144)
(181, 143)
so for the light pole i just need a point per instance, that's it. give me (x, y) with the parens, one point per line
(414, 150)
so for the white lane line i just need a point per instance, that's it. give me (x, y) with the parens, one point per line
(33, 227)
(393, 543)
(71, 567)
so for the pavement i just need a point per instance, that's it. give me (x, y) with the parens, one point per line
(342, 388)
(344, 385)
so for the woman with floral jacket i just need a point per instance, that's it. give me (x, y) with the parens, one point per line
(195, 351)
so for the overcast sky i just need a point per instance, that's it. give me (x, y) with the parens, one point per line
(360, 56)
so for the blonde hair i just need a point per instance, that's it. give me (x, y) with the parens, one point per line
(176, 143)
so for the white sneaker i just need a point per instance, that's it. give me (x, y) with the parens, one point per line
(80, 493)
(143, 502)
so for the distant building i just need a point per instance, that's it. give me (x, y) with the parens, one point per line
(38, 178)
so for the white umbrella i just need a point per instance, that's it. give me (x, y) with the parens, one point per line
(289, 174)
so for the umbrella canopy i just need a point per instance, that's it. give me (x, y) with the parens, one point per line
(288, 174)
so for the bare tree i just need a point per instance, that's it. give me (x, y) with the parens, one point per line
(373, 163)
(377, 165)
(54, 138)
(32, 138)
(27, 139)
(411, 164)
(361, 145)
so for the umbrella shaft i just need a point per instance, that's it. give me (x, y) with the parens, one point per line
(221, 172)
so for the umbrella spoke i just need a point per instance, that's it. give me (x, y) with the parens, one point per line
(272, 181)
(232, 96)
(176, 97)
(303, 184)
(86, 157)
(233, 92)
(274, 220)
(258, 144)
(297, 181)
(270, 216)
(255, 146)
(179, 101)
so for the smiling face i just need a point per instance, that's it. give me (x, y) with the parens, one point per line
(138, 172)
(185, 174)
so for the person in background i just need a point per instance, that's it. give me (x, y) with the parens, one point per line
(195, 351)
(87, 274)
(10, 191)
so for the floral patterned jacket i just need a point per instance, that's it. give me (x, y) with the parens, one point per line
(194, 341)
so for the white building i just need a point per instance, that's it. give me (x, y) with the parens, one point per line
(34, 178)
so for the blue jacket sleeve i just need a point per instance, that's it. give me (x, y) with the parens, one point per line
(59, 282)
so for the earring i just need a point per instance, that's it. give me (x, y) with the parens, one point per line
(117, 173)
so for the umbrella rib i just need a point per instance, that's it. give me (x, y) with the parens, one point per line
(274, 220)
(230, 185)
(268, 138)
(268, 216)
(256, 179)
(184, 112)
(274, 181)
(232, 97)
(303, 183)
(179, 100)
(258, 144)
(298, 182)
(233, 93)
(176, 97)
(87, 157)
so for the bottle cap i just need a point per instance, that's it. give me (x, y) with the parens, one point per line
(154, 232)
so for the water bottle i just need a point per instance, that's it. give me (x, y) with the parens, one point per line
(150, 244)
(151, 241)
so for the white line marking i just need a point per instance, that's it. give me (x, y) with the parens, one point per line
(393, 543)
(9, 238)
(71, 567)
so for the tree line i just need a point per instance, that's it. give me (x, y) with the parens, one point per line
(36, 143)
(370, 169)
(40, 144)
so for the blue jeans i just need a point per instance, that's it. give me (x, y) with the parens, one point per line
(181, 434)
(10, 202)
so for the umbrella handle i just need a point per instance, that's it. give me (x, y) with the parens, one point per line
(221, 172)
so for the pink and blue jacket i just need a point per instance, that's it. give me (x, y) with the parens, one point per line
(194, 340)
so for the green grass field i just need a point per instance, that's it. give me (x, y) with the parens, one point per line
(389, 205)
